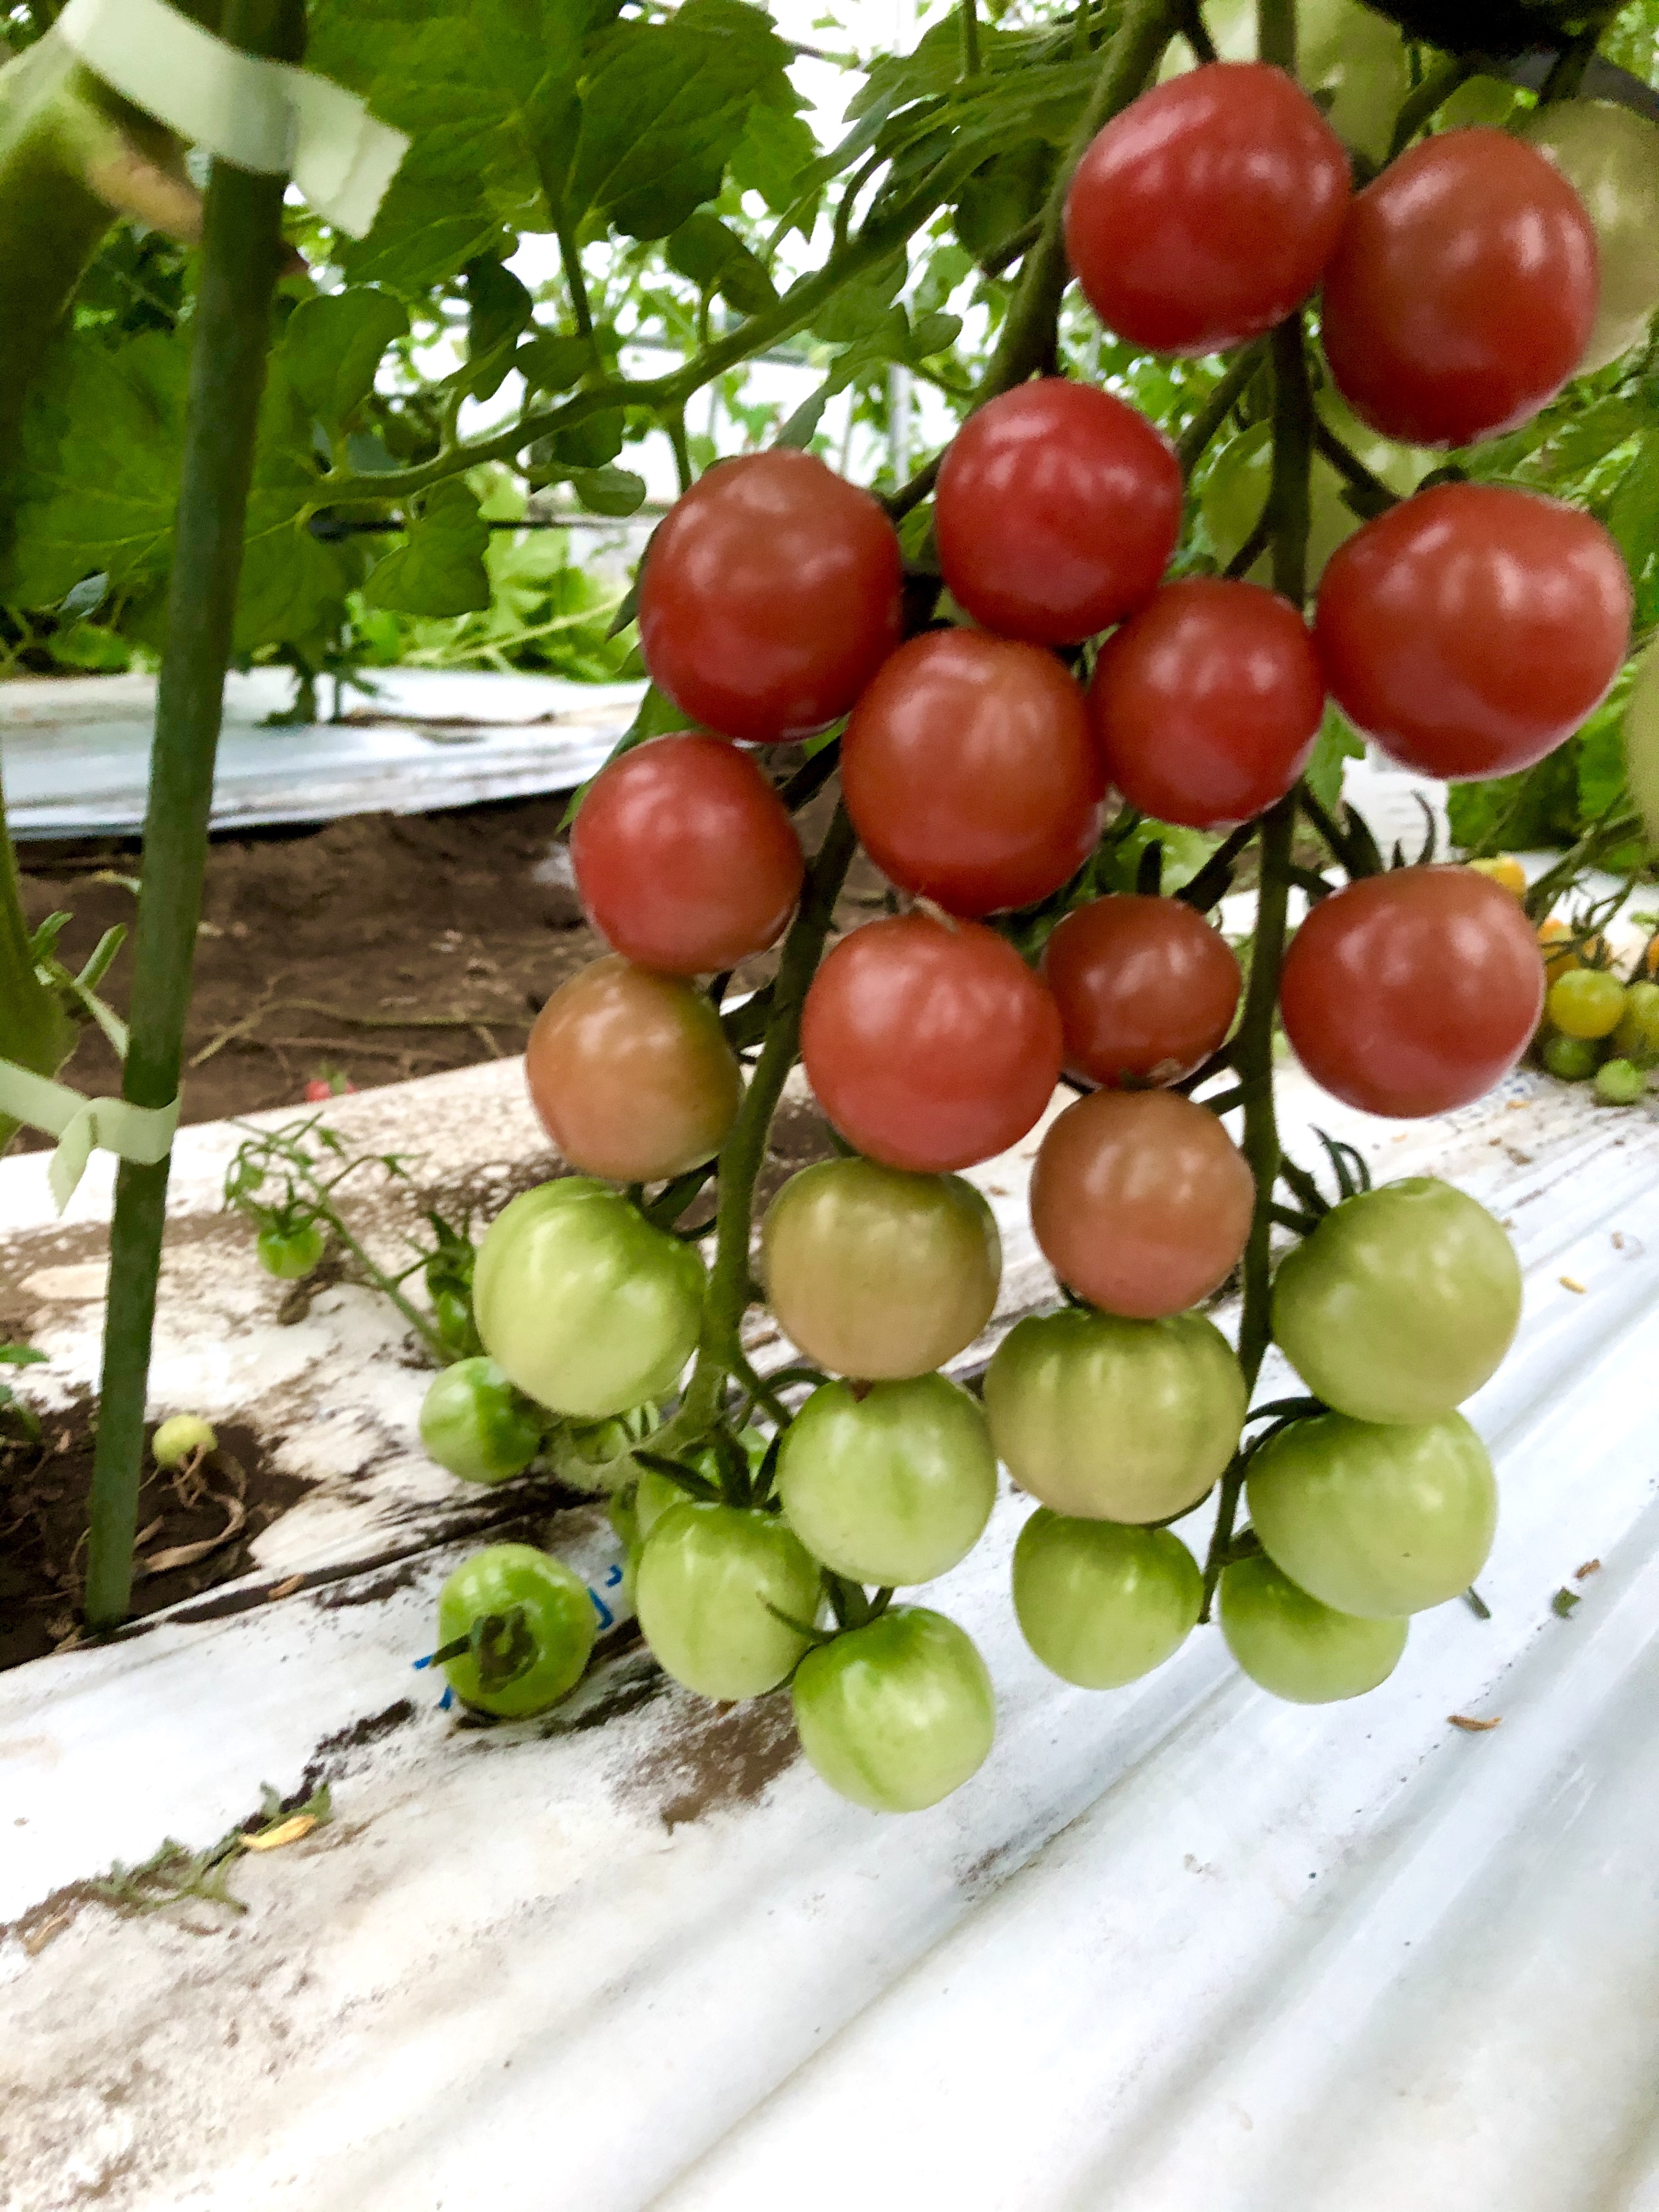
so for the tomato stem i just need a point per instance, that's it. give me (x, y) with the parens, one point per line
(1194, 440)
(968, 15)
(241, 245)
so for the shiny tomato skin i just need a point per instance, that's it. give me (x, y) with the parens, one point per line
(1206, 705)
(1145, 988)
(1297, 1649)
(930, 1045)
(1413, 992)
(476, 1425)
(1101, 1604)
(1057, 510)
(708, 1579)
(897, 1713)
(1473, 628)
(770, 596)
(685, 857)
(630, 1074)
(1204, 213)
(554, 1607)
(1140, 1202)
(1462, 292)
(878, 1273)
(969, 773)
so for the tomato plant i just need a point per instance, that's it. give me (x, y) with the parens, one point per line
(474, 1423)
(1141, 1201)
(1207, 703)
(1413, 992)
(930, 1044)
(526, 1623)
(770, 597)
(1108, 1419)
(711, 1582)
(1101, 1604)
(968, 772)
(630, 1074)
(892, 1485)
(1401, 1302)
(1378, 1520)
(1463, 291)
(1145, 988)
(898, 1713)
(1204, 213)
(1057, 510)
(685, 857)
(1295, 1647)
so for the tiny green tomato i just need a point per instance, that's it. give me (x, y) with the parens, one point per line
(474, 1423)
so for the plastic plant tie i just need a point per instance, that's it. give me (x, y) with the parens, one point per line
(142, 1134)
(264, 116)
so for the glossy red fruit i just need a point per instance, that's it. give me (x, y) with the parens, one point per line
(1057, 510)
(930, 1045)
(1471, 627)
(1145, 988)
(1413, 992)
(1204, 214)
(1206, 704)
(1140, 1202)
(1463, 291)
(970, 772)
(685, 857)
(770, 596)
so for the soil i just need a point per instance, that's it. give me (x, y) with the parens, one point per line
(223, 1503)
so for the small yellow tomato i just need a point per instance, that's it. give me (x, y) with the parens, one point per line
(1586, 1002)
(1503, 869)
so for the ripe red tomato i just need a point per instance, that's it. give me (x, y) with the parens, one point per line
(630, 1073)
(1057, 510)
(930, 1044)
(1204, 214)
(1462, 292)
(1470, 628)
(969, 773)
(685, 857)
(1144, 987)
(1140, 1202)
(1207, 703)
(1413, 992)
(770, 596)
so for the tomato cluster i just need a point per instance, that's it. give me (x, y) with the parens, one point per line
(1466, 630)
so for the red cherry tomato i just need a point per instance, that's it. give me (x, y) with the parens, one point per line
(969, 773)
(684, 856)
(1413, 992)
(1057, 510)
(1144, 987)
(930, 1044)
(1470, 628)
(770, 596)
(1141, 1201)
(1207, 703)
(1462, 292)
(1204, 214)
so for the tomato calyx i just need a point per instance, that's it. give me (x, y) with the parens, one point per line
(502, 1645)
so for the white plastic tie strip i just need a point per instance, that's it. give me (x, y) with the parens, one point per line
(141, 1134)
(264, 116)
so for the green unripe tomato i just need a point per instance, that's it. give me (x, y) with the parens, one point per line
(1478, 103)
(1101, 1605)
(708, 1577)
(1586, 1002)
(655, 1494)
(557, 1612)
(474, 1423)
(897, 1713)
(1637, 1038)
(877, 1272)
(1298, 1648)
(452, 1317)
(1105, 1418)
(1400, 1303)
(582, 1303)
(1610, 156)
(892, 1487)
(1570, 1060)
(1375, 1520)
(178, 1436)
(1618, 1083)
(290, 1255)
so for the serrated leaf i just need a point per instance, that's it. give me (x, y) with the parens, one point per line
(609, 491)
(332, 347)
(772, 157)
(440, 570)
(716, 260)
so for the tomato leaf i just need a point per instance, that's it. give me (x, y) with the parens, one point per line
(440, 569)
(715, 259)
(332, 346)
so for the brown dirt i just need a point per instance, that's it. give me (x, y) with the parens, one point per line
(44, 1490)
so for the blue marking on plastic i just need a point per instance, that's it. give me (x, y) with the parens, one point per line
(606, 1616)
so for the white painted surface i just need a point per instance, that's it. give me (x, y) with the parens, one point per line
(1173, 1947)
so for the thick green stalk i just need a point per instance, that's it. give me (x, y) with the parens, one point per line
(1194, 440)
(968, 14)
(242, 241)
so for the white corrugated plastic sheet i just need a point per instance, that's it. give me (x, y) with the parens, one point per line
(1173, 1947)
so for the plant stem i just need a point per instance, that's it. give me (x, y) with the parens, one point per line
(1275, 32)
(1436, 90)
(576, 285)
(968, 15)
(241, 242)
(1196, 438)
(674, 422)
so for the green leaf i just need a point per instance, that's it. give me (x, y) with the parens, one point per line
(716, 260)
(497, 309)
(441, 571)
(588, 444)
(1004, 195)
(931, 334)
(771, 158)
(1633, 517)
(609, 491)
(332, 346)
(863, 313)
(547, 363)
(1338, 740)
